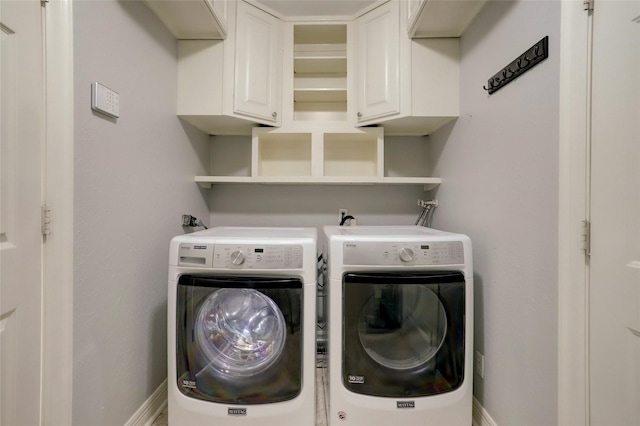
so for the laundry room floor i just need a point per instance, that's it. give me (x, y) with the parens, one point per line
(322, 400)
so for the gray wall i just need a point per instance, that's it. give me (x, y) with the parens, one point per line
(302, 205)
(499, 166)
(133, 180)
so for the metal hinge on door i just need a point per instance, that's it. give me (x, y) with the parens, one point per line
(587, 4)
(586, 237)
(46, 220)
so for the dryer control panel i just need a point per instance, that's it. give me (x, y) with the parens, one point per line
(251, 256)
(403, 253)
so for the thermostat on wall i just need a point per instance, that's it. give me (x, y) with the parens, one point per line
(105, 100)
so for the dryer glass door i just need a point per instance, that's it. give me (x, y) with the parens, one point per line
(403, 334)
(239, 338)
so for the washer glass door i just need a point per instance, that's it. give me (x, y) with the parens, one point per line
(239, 338)
(403, 334)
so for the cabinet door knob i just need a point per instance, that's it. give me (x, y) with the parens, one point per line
(274, 114)
(359, 115)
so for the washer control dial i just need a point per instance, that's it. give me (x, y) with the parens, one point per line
(406, 254)
(237, 257)
(257, 256)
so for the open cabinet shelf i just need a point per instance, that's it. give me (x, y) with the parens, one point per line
(349, 156)
(320, 58)
(320, 72)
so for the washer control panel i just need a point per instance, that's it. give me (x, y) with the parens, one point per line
(195, 255)
(251, 256)
(403, 253)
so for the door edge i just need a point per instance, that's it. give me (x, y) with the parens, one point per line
(572, 263)
(57, 315)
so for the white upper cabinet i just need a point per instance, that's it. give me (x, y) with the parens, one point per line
(258, 74)
(410, 87)
(441, 18)
(193, 19)
(378, 50)
(227, 87)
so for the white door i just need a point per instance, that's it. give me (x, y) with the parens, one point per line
(379, 63)
(22, 120)
(258, 64)
(615, 215)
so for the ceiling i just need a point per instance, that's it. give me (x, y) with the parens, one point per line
(299, 8)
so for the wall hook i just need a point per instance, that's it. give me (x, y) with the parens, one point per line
(523, 63)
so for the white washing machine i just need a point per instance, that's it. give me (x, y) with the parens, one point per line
(241, 327)
(400, 326)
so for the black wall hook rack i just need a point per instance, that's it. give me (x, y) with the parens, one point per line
(523, 63)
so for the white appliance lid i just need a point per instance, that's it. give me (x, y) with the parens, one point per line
(397, 231)
(256, 232)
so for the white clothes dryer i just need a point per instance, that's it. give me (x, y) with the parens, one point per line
(400, 302)
(241, 327)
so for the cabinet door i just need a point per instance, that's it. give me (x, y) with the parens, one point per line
(379, 63)
(258, 64)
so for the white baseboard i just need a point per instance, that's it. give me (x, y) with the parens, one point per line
(480, 415)
(151, 408)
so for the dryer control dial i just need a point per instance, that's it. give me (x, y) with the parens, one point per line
(237, 257)
(406, 254)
